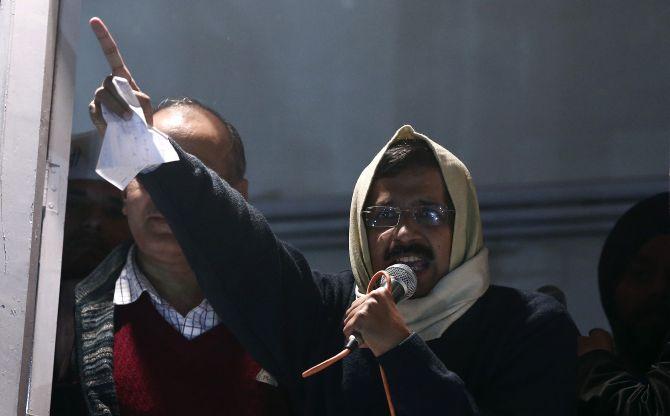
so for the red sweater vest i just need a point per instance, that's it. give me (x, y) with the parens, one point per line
(159, 372)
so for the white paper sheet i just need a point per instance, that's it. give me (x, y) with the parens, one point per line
(130, 146)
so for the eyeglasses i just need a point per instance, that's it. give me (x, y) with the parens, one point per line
(389, 217)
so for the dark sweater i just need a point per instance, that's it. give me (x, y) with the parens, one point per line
(511, 353)
(159, 372)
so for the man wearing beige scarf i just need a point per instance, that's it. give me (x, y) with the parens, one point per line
(414, 173)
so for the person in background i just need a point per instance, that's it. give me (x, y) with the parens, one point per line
(94, 225)
(629, 373)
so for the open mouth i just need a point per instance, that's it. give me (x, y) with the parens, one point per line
(418, 257)
(416, 263)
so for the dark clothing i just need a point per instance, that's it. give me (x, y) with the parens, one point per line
(94, 333)
(648, 219)
(635, 380)
(643, 222)
(607, 388)
(511, 353)
(157, 371)
(98, 322)
(66, 399)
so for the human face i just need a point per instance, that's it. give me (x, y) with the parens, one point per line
(149, 228)
(642, 294)
(426, 249)
(94, 225)
(200, 134)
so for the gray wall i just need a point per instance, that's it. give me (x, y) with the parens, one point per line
(544, 101)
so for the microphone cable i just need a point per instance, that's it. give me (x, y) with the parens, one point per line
(347, 350)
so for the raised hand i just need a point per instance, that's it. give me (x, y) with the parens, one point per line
(106, 93)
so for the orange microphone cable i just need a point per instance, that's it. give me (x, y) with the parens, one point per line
(337, 357)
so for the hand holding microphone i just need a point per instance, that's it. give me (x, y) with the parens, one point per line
(375, 315)
(375, 319)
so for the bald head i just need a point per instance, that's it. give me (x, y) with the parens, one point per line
(203, 134)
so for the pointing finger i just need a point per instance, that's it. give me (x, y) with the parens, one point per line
(111, 51)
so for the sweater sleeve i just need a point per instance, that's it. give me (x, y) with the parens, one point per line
(420, 384)
(262, 289)
(606, 388)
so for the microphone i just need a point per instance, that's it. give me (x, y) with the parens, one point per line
(403, 285)
(403, 281)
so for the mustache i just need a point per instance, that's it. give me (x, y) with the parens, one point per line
(416, 249)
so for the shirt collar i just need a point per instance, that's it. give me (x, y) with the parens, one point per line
(132, 283)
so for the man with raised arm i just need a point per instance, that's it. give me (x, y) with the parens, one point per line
(147, 341)
(461, 346)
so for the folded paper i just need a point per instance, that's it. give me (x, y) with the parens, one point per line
(130, 146)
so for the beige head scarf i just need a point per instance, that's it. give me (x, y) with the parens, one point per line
(468, 275)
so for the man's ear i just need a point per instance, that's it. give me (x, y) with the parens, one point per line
(242, 186)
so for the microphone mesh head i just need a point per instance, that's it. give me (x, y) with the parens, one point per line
(404, 274)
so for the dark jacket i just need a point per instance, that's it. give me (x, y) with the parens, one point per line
(606, 387)
(94, 333)
(511, 353)
(90, 389)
